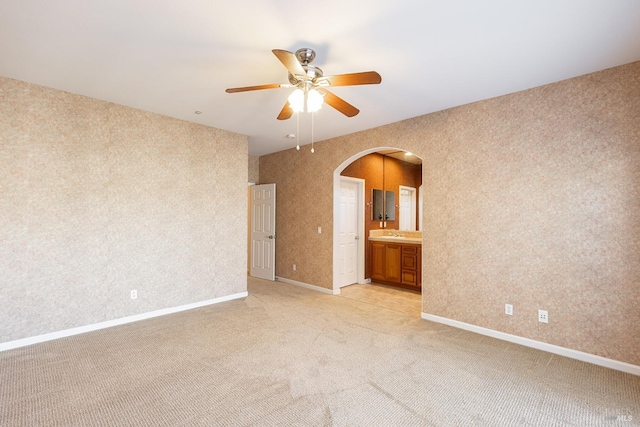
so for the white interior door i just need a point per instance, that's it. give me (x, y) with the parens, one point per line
(348, 235)
(263, 231)
(407, 208)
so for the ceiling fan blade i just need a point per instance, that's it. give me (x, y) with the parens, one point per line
(286, 112)
(290, 62)
(338, 103)
(364, 78)
(260, 87)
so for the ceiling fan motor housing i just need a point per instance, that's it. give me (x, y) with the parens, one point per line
(305, 55)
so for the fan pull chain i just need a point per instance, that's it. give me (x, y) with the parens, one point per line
(298, 130)
(312, 115)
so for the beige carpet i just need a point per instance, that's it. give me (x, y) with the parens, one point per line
(289, 356)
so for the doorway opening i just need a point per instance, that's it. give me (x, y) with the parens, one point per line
(349, 231)
(407, 208)
(390, 219)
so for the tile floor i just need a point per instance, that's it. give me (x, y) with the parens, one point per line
(403, 300)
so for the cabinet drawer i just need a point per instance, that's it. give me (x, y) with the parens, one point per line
(409, 249)
(409, 278)
(409, 262)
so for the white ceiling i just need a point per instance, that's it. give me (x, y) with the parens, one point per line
(174, 58)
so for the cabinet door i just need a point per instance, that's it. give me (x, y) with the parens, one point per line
(410, 267)
(393, 259)
(377, 257)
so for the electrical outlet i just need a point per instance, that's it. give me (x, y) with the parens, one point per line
(508, 309)
(543, 316)
(319, 230)
(294, 267)
(134, 294)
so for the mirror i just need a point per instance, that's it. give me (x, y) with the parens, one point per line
(390, 205)
(377, 205)
(383, 205)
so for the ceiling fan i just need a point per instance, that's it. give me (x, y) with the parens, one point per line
(309, 79)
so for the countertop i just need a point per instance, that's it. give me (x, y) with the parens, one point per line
(397, 239)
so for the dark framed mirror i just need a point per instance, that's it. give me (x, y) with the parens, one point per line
(383, 205)
(377, 205)
(390, 205)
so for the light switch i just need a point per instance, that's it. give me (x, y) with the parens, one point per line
(319, 230)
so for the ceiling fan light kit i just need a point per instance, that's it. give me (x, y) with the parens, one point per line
(305, 101)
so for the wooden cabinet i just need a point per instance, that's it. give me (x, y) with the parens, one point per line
(395, 264)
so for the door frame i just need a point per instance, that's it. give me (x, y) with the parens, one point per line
(420, 207)
(272, 267)
(414, 207)
(360, 230)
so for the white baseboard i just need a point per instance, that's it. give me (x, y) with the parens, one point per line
(309, 286)
(115, 322)
(551, 348)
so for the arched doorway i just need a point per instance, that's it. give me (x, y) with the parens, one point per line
(338, 213)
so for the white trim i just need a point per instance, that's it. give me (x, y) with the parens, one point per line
(420, 207)
(115, 322)
(550, 348)
(362, 238)
(412, 220)
(309, 286)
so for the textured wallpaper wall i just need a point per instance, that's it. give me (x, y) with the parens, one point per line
(98, 199)
(254, 169)
(531, 199)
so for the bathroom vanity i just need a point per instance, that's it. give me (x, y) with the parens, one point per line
(396, 261)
